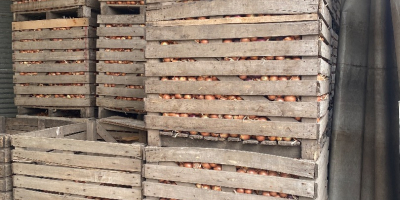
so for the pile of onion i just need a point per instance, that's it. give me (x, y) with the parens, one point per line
(126, 2)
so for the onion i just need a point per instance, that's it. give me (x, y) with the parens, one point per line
(260, 138)
(227, 41)
(264, 78)
(204, 41)
(265, 193)
(274, 194)
(278, 138)
(295, 78)
(182, 78)
(223, 135)
(178, 96)
(193, 132)
(209, 97)
(282, 78)
(279, 99)
(213, 165)
(214, 116)
(271, 97)
(273, 78)
(244, 137)
(205, 134)
(253, 39)
(269, 57)
(290, 98)
(251, 171)
(215, 134)
(263, 172)
(241, 170)
(248, 191)
(218, 168)
(206, 187)
(166, 96)
(245, 40)
(216, 188)
(239, 190)
(233, 135)
(188, 165)
(283, 195)
(271, 138)
(206, 165)
(298, 119)
(285, 175)
(279, 57)
(187, 96)
(243, 77)
(287, 139)
(272, 173)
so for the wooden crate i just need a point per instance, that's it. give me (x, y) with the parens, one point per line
(5, 167)
(307, 180)
(55, 58)
(50, 9)
(120, 57)
(175, 23)
(48, 164)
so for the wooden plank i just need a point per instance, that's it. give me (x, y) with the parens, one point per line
(79, 32)
(129, 44)
(54, 56)
(76, 188)
(115, 103)
(135, 55)
(87, 78)
(234, 7)
(268, 48)
(258, 108)
(128, 150)
(20, 194)
(325, 50)
(120, 19)
(230, 179)
(120, 31)
(246, 67)
(152, 189)
(125, 92)
(21, 121)
(56, 131)
(87, 175)
(85, 89)
(59, 102)
(74, 44)
(40, 5)
(266, 128)
(104, 134)
(51, 23)
(56, 67)
(74, 160)
(296, 88)
(5, 170)
(224, 31)
(237, 20)
(6, 195)
(301, 168)
(124, 80)
(137, 68)
(126, 122)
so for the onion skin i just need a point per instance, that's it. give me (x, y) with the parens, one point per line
(260, 138)
(188, 165)
(206, 165)
(245, 137)
(239, 190)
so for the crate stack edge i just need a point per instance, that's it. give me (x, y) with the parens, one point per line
(120, 58)
(54, 56)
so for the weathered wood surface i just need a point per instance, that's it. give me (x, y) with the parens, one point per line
(104, 101)
(85, 43)
(77, 32)
(70, 187)
(120, 31)
(30, 101)
(125, 92)
(248, 67)
(55, 56)
(251, 88)
(303, 168)
(20, 194)
(54, 132)
(124, 80)
(85, 89)
(121, 19)
(230, 179)
(52, 23)
(53, 4)
(250, 127)
(87, 78)
(126, 122)
(135, 55)
(128, 44)
(137, 68)
(87, 66)
(258, 108)
(234, 7)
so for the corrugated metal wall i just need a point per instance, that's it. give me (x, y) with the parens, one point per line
(7, 107)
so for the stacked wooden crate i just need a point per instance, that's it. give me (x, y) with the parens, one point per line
(240, 75)
(5, 167)
(54, 57)
(120, 57)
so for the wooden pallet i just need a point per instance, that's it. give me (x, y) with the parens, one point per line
(124, 129)
(65, 162)
(162, 164)
(12, 126)
(5, 165)
(63, 46)
(309, 19)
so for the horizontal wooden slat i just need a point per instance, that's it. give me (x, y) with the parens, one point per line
(129, 44)
(76, 188)
(233, 7)
(20, 193)
(51, 23)
(75, 160)
(56, 67)
(40, 5)
(114, 103)
(60, 131)
(75, 44)
(54, 56)
(135, 55)
(297, 88)
(247, 67)
(236, 49)
(303, 168)
(191, 193)
(124, 92)
(124, 80)
(230, 179)
(120, 31)
(120, 19)
(31, 101)
(76, 174)
(232, 31)
(137, 68)
(250, 127)
(128, 150)
(89, 78)
(124, 122)
(259, 108)
(85, 89)
(83, 32)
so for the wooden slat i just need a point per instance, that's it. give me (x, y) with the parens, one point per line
(120, 19)
(40, 5)
(56, 131)
(54, 56)
(76, 174)
(124, 80)
(247, 67)
(51, 23)
(124, 92)
(74, 160)
(129, 44)
(115, 103)
(128, 150)
(232, 31)
(120, 31)
(267, 128)
(83, 32)
(234, 7)
(152, 189)
(88, 78)
(56, 67)
(20, 193)
(104, 134)
(230, 179)
(259, 108)
(297, 88)
(137, 68)
(135, 55)
(76, 188)
(303, 168)
(30, 101)
(75, 44)
(85, 89)
(268, 48)
(126, 122)
(237, 20)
